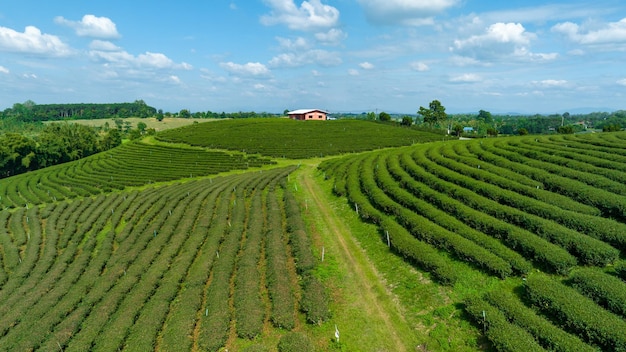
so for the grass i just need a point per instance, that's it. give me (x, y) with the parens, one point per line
(360, 324)
(166, 124)
(423, 313)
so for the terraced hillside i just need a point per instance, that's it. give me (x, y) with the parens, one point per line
(550, 210)
(167, 268)
(284, 138)
(132, 164)
(149, 246)
(107, 254)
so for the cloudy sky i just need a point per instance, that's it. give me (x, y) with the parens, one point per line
(340, 55)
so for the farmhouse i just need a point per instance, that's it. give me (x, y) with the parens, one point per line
(308, 114)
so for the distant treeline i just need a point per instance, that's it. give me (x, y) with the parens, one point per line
(483, 121)
(31, 112)
(542, 124)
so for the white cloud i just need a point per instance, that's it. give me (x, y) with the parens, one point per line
(107, 53)
(307, 57)
(4, 70)
(551, 83)
(419, 66)
(333, 37)
(497, 33)
(175, 79)
(537, 13)
(463, 61)
(251, 69)
(293, 44)
(158, 60)
(353, 72)
(366, 65)
(613, 32)
(210, 76)
(466, 78)
(91, 26)
(408, 12)
(311, 15)
(32, 41)
(510, 40)
(103, 45)
(622, 82)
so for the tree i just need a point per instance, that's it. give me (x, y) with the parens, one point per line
(18, 155)
(141, 127)
(435, 114)
(127, 126)
(63, 142)
(383, 116)
(119, 123)
(458, 129)
(492, 131)
(371, 116)
(112, 139)
(184, 113)
(134, 134)
(566, 129)
(611, 128)
(522, 131)
(407, 121)
(485, 116)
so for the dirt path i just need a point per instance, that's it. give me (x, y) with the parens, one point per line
(361, 269)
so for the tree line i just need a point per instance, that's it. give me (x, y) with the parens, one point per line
(484, 123)
(29, 111)
(56, 143)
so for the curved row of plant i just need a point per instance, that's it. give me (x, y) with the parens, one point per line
(582, 313)
(132, 164)
(284, 138)
(441, 201)
(167, 268)
(506, 206)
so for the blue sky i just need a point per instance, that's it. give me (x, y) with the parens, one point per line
(340, 55)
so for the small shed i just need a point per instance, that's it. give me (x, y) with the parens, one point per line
(308, 114)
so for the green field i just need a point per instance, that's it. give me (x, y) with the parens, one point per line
(283, 138)
(240, 235)
(166, 124)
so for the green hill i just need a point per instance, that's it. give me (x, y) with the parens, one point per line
(284, 138)
(465, 211)
(219, 240)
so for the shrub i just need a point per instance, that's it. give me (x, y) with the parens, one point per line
(606, 290)
(256, 348)
(295, 342)
(547, 334)
(576, 313)
(502, 334)
(314, 300)
(620, 270)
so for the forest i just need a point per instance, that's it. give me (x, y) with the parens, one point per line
(29, 111)
(54, 144)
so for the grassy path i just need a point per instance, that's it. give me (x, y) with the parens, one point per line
(366, 313)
